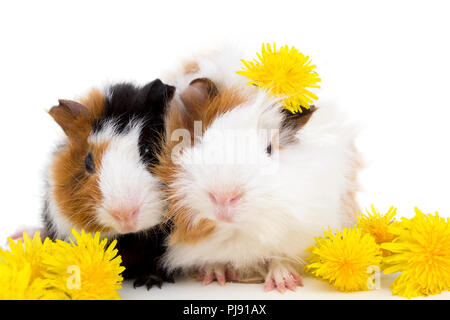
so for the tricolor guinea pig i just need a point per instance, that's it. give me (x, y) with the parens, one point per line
(100, 179)
(255, 184)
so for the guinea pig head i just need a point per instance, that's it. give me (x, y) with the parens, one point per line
(225, 177)
(100, 178)
(218, 179)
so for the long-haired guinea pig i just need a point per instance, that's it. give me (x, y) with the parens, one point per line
(258, 184)
(100, 179)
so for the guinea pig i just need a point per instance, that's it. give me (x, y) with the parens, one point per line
(99, 177)
(252, 184)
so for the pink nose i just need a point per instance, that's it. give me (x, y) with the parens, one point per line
(126, 218)
(224, 204)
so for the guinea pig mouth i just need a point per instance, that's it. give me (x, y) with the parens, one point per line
(225, 214)
(125, 218)
(225, 204)
(224, 218)
(128, 229)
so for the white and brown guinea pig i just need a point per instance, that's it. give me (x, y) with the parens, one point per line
(258, 185)
(100, 179)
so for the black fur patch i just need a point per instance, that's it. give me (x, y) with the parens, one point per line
(48, 229)
(126, 102)
(295, 120)
(141, 253)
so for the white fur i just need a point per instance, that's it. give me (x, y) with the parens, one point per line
(60, 224)
(282, 209)
(125, 181)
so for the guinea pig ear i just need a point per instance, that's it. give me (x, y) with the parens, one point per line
(298, 119)
(197, 95)
(67, 114)
(292, 123)
(157, 93)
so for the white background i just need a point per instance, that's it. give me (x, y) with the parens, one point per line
(385, 62)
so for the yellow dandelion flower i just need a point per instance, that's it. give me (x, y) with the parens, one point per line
(377, 225)
(16, 283)
(346, 260)
(83, 269)
(21, 270)
(421, 252)
(285, 73)
(27, 251)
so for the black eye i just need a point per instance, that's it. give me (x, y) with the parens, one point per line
(89, 162)
(148, 155)
(269, 149)
(145, 151)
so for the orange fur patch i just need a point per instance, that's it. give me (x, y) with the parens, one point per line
(75, 190)
(95, 102)
(184, 233)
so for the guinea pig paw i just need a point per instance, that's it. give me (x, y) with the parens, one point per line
(231, 275)
(149, 281)
(19, 233)
(170, 278)
(217, 273)
(282, 277)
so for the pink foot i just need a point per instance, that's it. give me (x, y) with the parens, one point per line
(282, 276)
(217, 273)
(19, 233)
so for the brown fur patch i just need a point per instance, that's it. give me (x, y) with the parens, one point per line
(303, 118)
(95, 102)
(75, 190)
(184, 233)
(73, 118)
